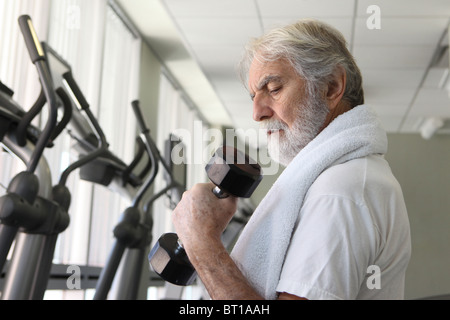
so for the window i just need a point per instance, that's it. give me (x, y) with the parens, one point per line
(109, 79)
(176, 117)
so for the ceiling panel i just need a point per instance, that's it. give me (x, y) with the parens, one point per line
(436, 78)
(389, 95)
(306, 8)
(389, 122)
(398, 78)
(407, 8)
(210, 8)
(397, 31)
(344, 25)
(390, 109)
(431, 102)
(393, 57)
(219, 31)
(219, 61)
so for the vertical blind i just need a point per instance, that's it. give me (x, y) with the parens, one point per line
(176, 117)
(104, 56)
(71, 38)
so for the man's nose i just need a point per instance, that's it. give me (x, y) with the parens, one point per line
(261, 108)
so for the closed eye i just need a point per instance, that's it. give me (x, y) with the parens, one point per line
(275, 91)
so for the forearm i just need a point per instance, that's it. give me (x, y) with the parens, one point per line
(199, 219)
(220, 275)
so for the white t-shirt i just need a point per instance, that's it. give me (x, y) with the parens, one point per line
(352, 238)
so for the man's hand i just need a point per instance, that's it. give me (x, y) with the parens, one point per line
(201, 217)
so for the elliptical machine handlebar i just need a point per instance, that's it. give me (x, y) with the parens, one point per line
(31, 40)
(38, 58)
(103, 144)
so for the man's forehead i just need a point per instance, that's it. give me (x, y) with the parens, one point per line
(268, 78)
(263, 72)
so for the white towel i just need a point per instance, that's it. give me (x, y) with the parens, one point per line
(262, 246)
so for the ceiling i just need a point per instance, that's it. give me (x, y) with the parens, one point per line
(208, 37)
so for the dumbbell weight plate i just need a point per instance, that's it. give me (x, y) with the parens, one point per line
(170, 261)
(233, 172)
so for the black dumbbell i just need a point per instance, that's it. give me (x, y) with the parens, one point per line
(233, 173)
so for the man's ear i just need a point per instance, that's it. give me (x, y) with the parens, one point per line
(336, 87)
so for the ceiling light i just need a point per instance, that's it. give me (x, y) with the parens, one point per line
(430, 126)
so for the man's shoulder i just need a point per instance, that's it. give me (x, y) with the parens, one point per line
(354, 177)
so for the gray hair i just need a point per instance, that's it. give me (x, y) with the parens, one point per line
(315, 50)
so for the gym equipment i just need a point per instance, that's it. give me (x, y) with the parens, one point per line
(130, 232)
(233, 173)
(32, 209)
(133, 233)
(25, 206)
(105, 168)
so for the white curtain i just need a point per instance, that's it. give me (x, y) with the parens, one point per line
(104, 56)
(76, 31)
(175, 117)
(119, 87)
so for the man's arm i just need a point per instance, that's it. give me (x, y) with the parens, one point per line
(218, 272)
(221, 276)
(200, 219)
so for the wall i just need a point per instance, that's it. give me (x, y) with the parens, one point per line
(423, 169)
(264, 186)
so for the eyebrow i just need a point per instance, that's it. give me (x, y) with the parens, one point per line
(265, 81)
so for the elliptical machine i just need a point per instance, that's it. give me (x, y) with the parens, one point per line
(26, 210)
(33, 212)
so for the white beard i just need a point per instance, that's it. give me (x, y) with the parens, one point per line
(309, 119)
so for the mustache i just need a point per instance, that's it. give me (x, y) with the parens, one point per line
(273, 125)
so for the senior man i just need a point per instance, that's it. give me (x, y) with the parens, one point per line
(334, 225)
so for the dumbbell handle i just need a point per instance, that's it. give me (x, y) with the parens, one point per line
(184, 273)
(219, 193)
